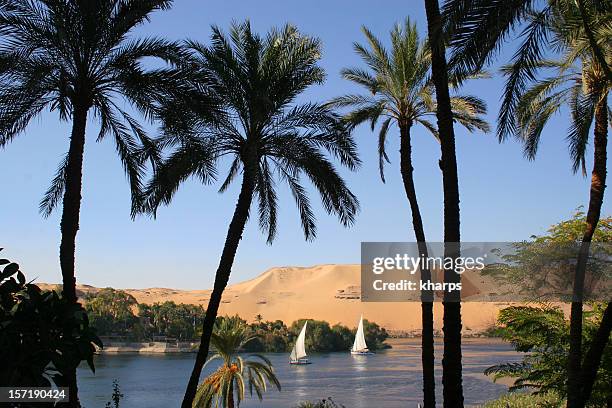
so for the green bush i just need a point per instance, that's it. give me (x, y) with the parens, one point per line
(542, 332)
(520, 400)
(324, 403)
(43, 336)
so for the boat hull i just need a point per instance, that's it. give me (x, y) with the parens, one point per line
(361, 353)
(300, 362)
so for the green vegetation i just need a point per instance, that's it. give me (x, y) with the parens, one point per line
(114, 312)
(179, 321)
(226, 386)
(542, 267)
(523, 400)
(543, 333)
(116, 397)
(538, 84)
(34, 347)
(324, 403)
(110, 311)
(117, 313)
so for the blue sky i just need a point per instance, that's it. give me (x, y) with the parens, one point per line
(503, 196)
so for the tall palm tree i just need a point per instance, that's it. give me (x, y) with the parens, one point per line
(451, 361)
(267, 137)
(401, 92)
(227, 385)
(75, 57)
(579, 30)
(578, 82)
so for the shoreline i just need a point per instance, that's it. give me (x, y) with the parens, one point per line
(191, 347)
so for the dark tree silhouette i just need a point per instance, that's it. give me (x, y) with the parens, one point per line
(265, 135)
(579, 31)
(451, 360)
(75, 57)
(400, 92)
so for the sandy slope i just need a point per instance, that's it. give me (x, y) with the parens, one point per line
(325, 292)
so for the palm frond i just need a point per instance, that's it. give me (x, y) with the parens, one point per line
(525, 62)
(382, 152)
(55, 192)
(583, 110)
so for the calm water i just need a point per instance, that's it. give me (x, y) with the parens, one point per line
(389, 379)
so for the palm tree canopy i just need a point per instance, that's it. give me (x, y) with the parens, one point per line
(399, 88)
(262, 132)
(236, 373)
(539, 89)
(63, 55)
(478, 29)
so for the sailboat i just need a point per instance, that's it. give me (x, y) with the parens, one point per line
(359, 346)
(298, 354)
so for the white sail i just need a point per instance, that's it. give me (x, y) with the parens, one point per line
(360, 343)
(299, 349)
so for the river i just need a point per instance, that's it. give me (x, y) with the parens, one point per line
(388, 379)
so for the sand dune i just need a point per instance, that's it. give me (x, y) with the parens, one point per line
(325, 292)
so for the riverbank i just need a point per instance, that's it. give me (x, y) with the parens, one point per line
(157, 347)
(153, 347)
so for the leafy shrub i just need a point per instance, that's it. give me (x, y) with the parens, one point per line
(42, 335)
(543, 333)
(520, 400)
(324, 403)
(115, 397)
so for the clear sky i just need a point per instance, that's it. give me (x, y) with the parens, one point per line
(503, 196)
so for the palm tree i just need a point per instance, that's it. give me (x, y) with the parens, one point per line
(75, 58)
(401, 92)
(451, 360)
(578, 82)
(579, 30)
(267, 137)
(226, 386)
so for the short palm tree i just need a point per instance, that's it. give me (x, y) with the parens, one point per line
(76, 58)
(400, 93)
(226, 386)
(266, 136)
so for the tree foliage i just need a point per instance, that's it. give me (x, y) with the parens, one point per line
(34, 347)
(399, 89)
(226, 386)
(542, 332)
(265, 134)
(69, 56)
(180, 321)
(542, 268)
(320, 337)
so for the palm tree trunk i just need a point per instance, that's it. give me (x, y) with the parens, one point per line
(427, 340)
(592, 359)
(598, 185)
(230, 396)
(70, 225)
(234, 235)
(451, 361)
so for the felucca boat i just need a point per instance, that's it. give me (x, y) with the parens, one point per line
(298, 354)
(360, 347)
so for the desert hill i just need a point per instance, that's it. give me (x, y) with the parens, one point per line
(324, 292)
